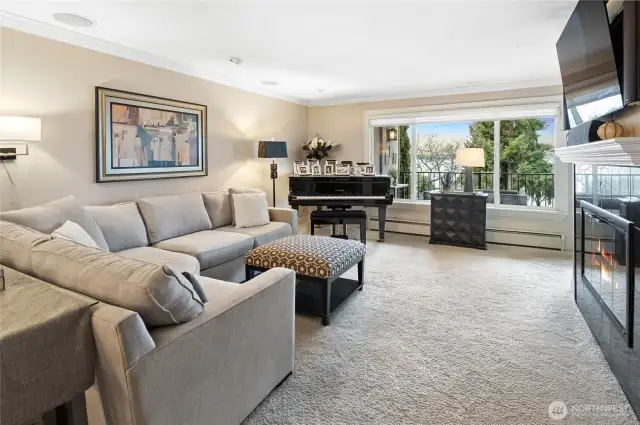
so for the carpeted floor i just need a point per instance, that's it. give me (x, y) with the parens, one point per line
(445, 335)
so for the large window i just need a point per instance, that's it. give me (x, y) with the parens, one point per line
(519, 162)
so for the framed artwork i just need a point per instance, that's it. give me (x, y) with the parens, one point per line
(369, 170)
(343, 170)
(303, 170)
(296, 167)
(329, 169)
(142, 137)
(316, 170)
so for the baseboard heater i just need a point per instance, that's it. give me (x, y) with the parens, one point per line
(525, 238)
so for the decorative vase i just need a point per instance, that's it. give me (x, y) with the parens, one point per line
(610, 130)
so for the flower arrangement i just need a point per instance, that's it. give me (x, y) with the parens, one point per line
(318, 148)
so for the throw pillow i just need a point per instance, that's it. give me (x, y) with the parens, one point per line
(234, 190)
(251, 209)
(161, 295)
(197, 286)
(75, 233)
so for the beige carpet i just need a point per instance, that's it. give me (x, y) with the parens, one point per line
(445, 335)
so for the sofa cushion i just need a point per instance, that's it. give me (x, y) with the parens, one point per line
(210, 247)
(177, 261)
(235, 190)
(121, 225)
(48, 217)
(159, 294)
(218, 206)
(167, 217)
(263, 234)
(16, 242)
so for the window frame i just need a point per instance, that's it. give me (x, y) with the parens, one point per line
(535, 107)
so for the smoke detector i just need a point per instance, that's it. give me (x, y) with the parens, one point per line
(235, 60)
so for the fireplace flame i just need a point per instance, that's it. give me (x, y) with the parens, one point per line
(606, 274)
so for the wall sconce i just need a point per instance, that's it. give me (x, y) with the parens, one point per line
(15, 135)
(392, 134)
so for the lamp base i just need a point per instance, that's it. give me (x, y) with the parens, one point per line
(274, 176)
(468, 181)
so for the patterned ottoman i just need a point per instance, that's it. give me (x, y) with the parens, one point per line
(316, 260)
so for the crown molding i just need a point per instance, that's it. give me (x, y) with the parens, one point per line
(31, 26)
(449, 91)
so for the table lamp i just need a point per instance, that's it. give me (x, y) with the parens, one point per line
(469, 158)
(272, 149)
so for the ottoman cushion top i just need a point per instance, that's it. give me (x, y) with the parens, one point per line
(315, 256)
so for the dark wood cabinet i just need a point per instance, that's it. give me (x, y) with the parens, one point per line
(459, 219)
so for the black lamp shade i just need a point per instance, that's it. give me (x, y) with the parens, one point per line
(269, 149)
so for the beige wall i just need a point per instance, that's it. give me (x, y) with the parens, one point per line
(56, 82)
(344, 124)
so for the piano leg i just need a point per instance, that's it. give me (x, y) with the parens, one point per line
(382, 216)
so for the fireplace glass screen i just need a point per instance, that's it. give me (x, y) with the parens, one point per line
(604, 263)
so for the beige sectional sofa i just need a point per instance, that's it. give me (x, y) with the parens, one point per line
(166, 355)
(191, 232)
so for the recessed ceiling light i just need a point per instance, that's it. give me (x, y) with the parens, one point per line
(269, 83)
(73, 20)
(235, 60)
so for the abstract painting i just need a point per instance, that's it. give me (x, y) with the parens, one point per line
(143, 137)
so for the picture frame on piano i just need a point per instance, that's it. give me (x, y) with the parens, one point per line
(303, 170)
(316, 170)
(369, 170)
(330, 169)
(296, 170)
(343, 170)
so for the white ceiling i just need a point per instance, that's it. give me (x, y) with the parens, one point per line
(323, 52)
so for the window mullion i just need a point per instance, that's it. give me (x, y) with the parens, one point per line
(414, 164)
(496, 162)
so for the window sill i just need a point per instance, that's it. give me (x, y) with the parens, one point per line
(492, 210)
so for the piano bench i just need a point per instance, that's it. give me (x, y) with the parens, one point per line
(334, 217)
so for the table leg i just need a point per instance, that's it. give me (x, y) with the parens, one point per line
(326, 302)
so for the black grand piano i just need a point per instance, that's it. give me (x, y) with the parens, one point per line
(342, 192)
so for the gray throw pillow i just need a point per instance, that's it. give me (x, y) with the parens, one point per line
(159, 294)
(197, 287)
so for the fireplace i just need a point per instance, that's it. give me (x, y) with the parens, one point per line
(607, 264)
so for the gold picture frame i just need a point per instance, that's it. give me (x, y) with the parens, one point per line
(142, 137)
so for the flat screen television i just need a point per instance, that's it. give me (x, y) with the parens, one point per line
(591, 72)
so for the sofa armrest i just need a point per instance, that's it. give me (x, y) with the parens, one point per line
(225, 361)
(286, 215)
(121, 340)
